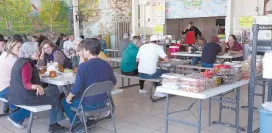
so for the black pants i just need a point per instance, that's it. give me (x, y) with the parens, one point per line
(134, 73)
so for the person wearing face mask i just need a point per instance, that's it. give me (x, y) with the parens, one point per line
(191, 34)
(7, 60)
(49, 53)
(128, 64)
(232, 46)
(25, 89)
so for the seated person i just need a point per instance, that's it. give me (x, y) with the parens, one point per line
(123, 44)
(148, 56)
(103, 44)
(128, 64)
(25, 89)
(199, 46)
(209, 53)
(77, 57)
(7, 60)
(51, 54)
(89, 72)
(232, 46)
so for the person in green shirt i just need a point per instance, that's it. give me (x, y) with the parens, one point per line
(128, 64)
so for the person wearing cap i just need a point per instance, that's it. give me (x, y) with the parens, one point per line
(148, 57)
(123, 44)
(191, 33)
(103, 44)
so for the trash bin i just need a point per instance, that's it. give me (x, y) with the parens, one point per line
(265, 121)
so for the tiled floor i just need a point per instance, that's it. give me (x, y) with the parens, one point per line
(135, 113)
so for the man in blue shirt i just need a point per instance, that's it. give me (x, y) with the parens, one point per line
(92, 71)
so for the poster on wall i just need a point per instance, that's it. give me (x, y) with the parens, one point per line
(176, 9)
(267, 7)
(157, 12)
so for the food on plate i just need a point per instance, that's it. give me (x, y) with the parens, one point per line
(61, 68)
(42, 71)
(52, 74)
(75, 70)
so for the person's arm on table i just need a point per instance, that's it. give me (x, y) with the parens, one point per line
(163, 55)
(41, 61)
(77, 85)
(221, 50)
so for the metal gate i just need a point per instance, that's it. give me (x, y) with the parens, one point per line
(122, 25)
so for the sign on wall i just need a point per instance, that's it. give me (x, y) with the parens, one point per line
(195, 8)
(157, 12)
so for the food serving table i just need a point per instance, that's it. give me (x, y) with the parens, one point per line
(207, 94)
(224, 56)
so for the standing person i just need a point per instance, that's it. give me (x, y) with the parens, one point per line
(7, 60)
(25, 89)
(103, 44)
(90, 72)
(148, 62)
(68, 46)
(209, 53)
(64, 39)
(59, 39)
(123, 44)
(49, 53)
(191, 33)
(34, 39)
(128, 64)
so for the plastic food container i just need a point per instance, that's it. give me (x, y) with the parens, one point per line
(197, 83)
(171, 80)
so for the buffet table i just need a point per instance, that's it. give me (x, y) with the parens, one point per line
(207, 94)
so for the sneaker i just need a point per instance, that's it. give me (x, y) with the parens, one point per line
(16, 124)
(143, 91)
(158, 94)
(57, 128)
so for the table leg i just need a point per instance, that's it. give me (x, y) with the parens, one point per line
(237, 109)
(174, 68)
(269, 93)
(210, 111)
(220, 108)
(199, 116)
(166, 112)
(30, 122)
(263, 93)
(122, 82)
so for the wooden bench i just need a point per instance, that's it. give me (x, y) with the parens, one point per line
(151, 96)
(32, 109)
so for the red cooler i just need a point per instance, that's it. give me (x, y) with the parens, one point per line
(173, 49)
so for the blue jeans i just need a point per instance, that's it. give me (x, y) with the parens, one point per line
(3, 95)
(156, 75)
(207, 65)
(195, 60)
(75, 103)
(55, 114)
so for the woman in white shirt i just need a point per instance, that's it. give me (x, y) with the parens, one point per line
(7, 60)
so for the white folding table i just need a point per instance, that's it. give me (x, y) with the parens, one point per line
(208, 94)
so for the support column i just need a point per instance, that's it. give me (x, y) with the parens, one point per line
(134, 18)
(229, 18)
(76, 18)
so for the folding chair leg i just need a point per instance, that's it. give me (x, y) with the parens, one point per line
(84, 120)
(113, 120)
(30, 123)
(71, 126)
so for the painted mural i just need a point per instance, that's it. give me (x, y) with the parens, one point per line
(100, 16)
(34, 16)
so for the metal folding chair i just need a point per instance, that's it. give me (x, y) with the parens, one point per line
(93, 90)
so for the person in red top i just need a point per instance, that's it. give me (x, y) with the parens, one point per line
(191, 33)
(232, 46)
